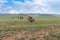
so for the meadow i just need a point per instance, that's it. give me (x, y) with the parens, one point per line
(44, 28)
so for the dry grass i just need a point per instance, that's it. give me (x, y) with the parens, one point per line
(21, 29)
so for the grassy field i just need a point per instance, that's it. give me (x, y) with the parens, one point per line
(15, 23)
(44, 28)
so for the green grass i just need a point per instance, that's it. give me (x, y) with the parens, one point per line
(15, 23)
(9, 24)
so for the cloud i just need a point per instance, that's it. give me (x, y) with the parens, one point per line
(31, 6)
(13, 12)
(2, 6)
(3, 1)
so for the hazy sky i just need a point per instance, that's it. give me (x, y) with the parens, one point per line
(30, 6)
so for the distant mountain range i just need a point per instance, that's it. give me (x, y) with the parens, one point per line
(36, 14)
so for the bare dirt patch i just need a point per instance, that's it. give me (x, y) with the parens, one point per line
(39, 34)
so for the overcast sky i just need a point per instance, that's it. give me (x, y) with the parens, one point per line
(29, 6)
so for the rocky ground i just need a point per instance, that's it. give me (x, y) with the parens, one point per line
(36, 34)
